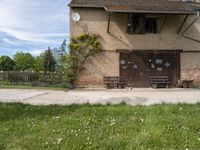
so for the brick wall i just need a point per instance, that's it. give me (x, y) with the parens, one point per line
(104, 64)
(190, 67)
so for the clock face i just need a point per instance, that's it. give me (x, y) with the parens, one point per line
(75, 16)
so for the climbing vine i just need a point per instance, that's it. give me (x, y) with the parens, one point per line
(82, 48)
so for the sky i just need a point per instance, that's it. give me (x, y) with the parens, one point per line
(32, 25)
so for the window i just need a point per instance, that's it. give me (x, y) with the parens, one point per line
(141, 24)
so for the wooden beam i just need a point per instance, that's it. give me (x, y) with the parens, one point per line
(109, 18)
(191, 38)
(183, 23)
(165, 20)
(150, 51)
(191, 52)
(190, 25)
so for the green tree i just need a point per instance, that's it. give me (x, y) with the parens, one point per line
(63, 63)
(6, 63)
(38, 64)
(49, 62)
(24, 61)
(64, 46)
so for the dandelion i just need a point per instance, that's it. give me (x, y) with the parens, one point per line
(59, 140)
(57, 117)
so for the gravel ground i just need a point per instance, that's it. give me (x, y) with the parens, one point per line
(101, 96)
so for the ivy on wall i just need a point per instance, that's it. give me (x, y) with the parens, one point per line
(82, 48)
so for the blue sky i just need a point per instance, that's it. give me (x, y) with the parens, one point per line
(32, 25)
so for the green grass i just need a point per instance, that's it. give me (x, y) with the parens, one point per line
(25, 127)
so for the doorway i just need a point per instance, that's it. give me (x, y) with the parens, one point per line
(138, 66)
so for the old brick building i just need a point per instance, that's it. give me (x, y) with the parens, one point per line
(140, 38)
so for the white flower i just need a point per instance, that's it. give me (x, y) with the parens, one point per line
(59, 140)
(57, 117)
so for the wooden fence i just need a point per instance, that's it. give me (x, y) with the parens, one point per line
(50, 78)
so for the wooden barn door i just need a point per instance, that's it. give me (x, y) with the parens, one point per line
(137, 67)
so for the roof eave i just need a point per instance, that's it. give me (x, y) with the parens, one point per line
(152, 12)
(133, 11)
(155, 12)
(83, 6)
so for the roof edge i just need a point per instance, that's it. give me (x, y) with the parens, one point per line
(83, 6)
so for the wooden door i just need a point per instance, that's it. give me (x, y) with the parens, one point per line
(137, 67)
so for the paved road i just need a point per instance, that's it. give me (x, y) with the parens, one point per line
(101, 96)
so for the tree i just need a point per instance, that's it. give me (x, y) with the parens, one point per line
(38, 64)
(49, 62)
(62, 60)
(23, 61)
(63, 46)
(6, 63)
(63, 63)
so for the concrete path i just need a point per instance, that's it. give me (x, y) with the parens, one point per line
(101, 96)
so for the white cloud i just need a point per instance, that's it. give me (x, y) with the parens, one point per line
(35, 52)
(40, 21)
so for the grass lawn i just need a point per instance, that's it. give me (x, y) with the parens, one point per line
(99, 127)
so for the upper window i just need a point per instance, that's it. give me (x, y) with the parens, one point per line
(141, 24)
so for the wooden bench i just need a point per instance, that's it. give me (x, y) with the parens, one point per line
(160, 81)
(185, 83)
(113, 82)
